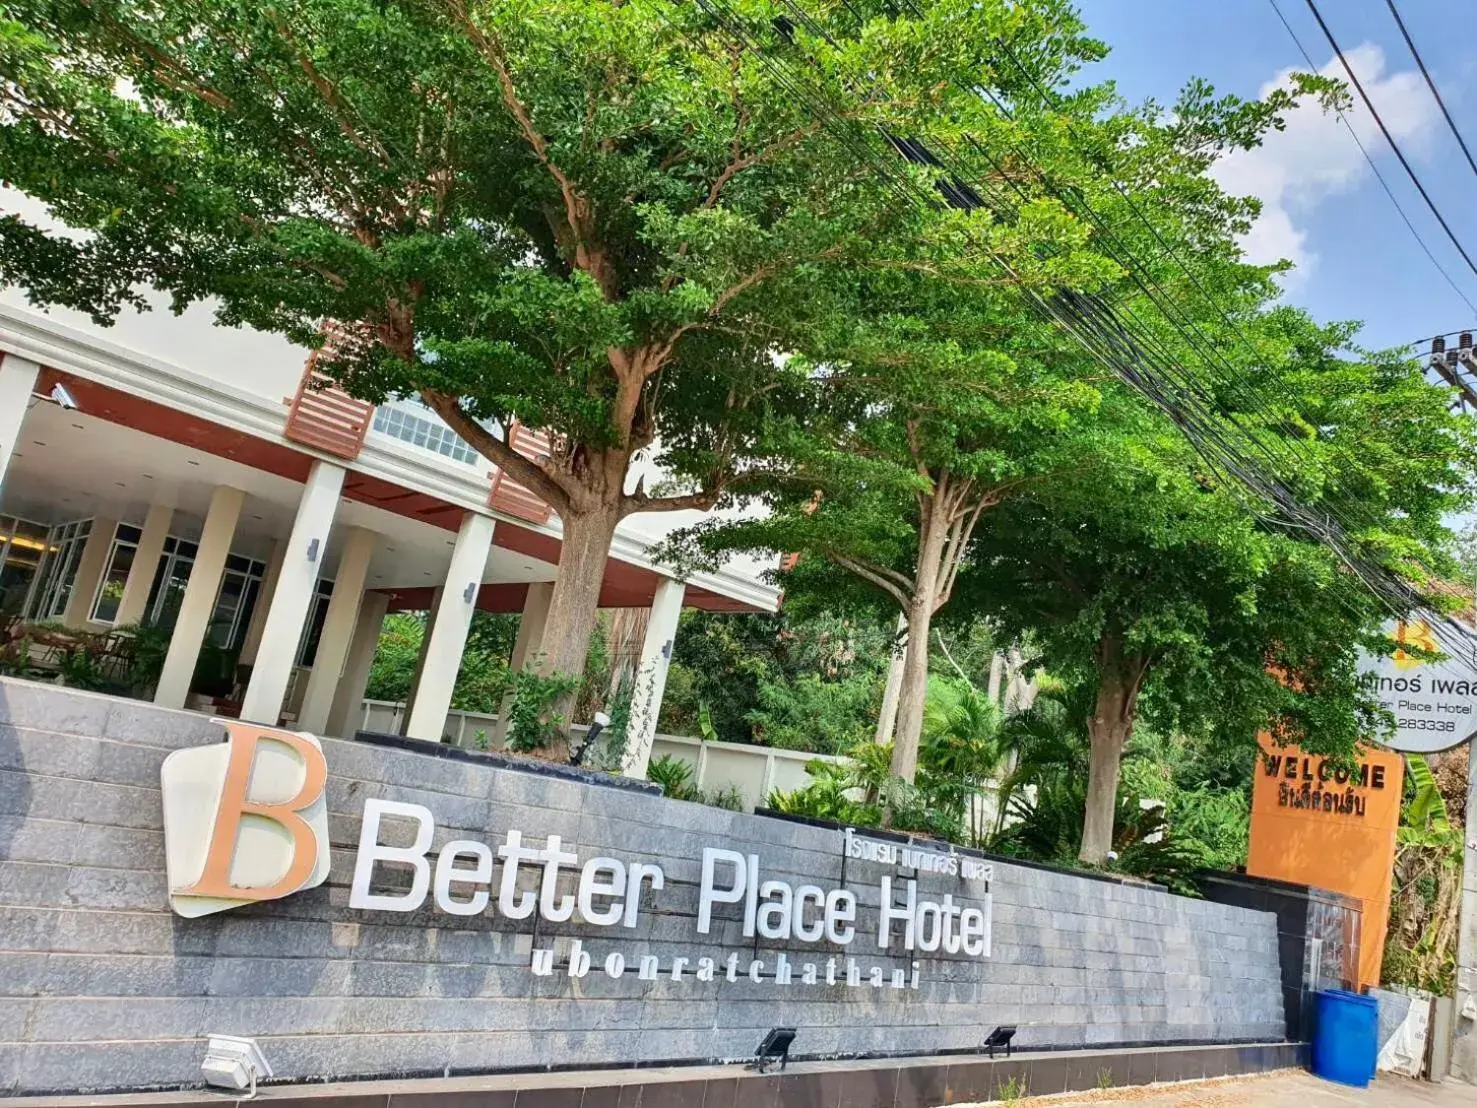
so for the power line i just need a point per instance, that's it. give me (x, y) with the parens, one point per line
(1384, 130)
(1087, 318)
(1431, 84)
(1375, 169)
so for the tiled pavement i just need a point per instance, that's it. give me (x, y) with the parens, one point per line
(1283, 1090)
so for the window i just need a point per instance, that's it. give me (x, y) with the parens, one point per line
(419, 426)
(170, 578)
(241, 581)
(22, 546)
(307, 650)
(59, 569)
(115, 573)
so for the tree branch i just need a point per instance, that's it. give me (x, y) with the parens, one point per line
(523, 470)
(577, 213)
(639, 501)
(874, 574)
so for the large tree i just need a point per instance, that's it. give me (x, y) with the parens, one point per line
(1154, 582)
(931, 403)
(593, 217)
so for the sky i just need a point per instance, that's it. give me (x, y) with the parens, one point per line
(1323, 207)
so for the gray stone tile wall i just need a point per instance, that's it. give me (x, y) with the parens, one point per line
(102, 987)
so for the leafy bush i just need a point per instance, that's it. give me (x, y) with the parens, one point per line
(728, 798)
(674, 776)
(811, 713)
(533, 724)
(1425, 904)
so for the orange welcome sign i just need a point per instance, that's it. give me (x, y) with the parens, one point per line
(1315, 824)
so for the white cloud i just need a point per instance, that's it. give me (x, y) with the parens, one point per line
(1314, 157)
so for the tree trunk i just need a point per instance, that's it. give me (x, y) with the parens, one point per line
(887, 719)
(1108, 729)
(912, 693)
(574, 603)
(915, 665)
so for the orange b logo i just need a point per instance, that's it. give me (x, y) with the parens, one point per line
(244, 821)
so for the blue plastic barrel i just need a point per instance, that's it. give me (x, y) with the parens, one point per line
(1346, 1039)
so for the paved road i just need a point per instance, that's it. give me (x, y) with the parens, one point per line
(1291, 1090)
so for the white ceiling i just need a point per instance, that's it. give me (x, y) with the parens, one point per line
(69, 465)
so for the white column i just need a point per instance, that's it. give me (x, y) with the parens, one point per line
(651, 676)
(420, 659)
(338, 628)
(252, 640)
(347, 713)
(90, 568)
(446, 636)
(199, 600)
(526, 645)
(1464, 1044)
(133, 603)
(17, 382)
(302, 565)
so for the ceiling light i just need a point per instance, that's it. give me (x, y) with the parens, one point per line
(60, 396)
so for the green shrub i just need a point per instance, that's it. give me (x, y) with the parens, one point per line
(675, 777)
(533, 724)
(728, 798)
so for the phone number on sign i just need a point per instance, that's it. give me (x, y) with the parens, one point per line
(1426, 724)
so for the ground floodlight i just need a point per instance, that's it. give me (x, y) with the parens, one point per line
(1001, 1036)
(232, 1062)
(602, 721)
(775, 1045)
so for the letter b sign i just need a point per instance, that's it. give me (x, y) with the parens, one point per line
(245, 820)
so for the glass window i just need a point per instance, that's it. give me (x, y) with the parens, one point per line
(170, 578)
(121, 556)
(307, 649)
(59, 569)
(234, 602)
(403, 419)
(22, 546)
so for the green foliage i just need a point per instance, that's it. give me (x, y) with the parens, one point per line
(1425, 902)
(961, 754)
(1046, 797)
(144, 647)
(534, 723)
(800, 682)
(482, 679)
(674, 776)
(811, 713)
(729, 798)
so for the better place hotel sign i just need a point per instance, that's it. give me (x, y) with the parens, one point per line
(1434, 703)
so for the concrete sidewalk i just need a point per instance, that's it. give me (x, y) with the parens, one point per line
(1281, 1090)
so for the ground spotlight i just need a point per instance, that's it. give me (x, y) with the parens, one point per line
(775, 1045)
(1001, 1036)
(232, 1062)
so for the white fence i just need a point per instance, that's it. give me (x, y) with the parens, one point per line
(753, 770)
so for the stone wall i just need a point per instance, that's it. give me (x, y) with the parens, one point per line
(101, 987)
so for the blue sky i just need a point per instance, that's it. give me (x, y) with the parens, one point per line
(1323, 206)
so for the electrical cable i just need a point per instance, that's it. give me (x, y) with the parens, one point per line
(1384, 130)
(1317, 527)
(1431, 84)
(1378, 176)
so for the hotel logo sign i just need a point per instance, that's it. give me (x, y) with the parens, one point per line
(244, 820)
